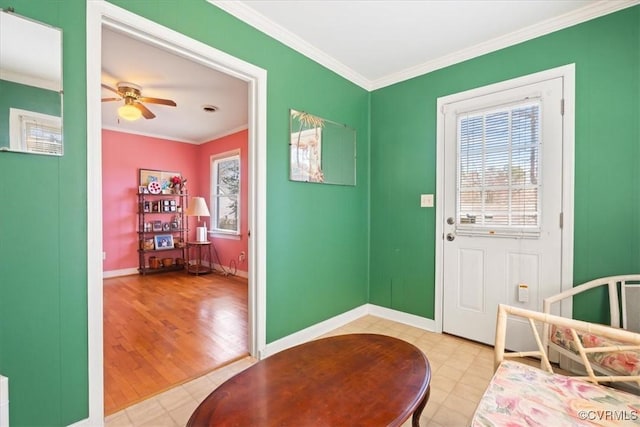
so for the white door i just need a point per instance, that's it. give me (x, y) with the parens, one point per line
(502, 208)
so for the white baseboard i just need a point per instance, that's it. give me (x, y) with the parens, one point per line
(402, 317)
(134, 270)
(314, 331)
(328, 325)
(239, 273)
(4, 401)
(118, 273)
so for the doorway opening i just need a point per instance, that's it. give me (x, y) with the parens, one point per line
(101, 14)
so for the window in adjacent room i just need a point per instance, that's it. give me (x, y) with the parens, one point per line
(225, 193)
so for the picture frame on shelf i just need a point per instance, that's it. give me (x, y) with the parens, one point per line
(148, 226)
(147, 245)
(143, 189)
(166, 226)
(163, 241)
(175, 225)
(146, 207)
(162, 177)
(157, 225)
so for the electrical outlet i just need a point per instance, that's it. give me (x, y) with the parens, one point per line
(242, 256)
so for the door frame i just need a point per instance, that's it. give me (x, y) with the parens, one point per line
(101, 13)
(567, 73)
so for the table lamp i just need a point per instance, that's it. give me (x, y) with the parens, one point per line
(198, 207)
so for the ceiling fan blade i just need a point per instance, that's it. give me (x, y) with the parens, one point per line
(110, 88)
(158, 101)
(146, 113)
(111, 99)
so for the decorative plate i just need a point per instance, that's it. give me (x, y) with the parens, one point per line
(154, 187)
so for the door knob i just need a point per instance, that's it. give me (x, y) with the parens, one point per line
(450, 220)
(450, 237)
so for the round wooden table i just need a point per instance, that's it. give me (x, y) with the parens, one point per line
(344, 380)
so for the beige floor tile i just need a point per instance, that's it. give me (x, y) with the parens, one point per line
(477, 382)
(182, 413)
(449, 418)
(471, 393)
(144, 411)
(442, 383)
(459, 405)
(200, 387)
(451, 372)
(119, 419)
(437, 396)
(162, 420)
(175, 397)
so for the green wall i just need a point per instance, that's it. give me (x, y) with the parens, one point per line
(43, 286)
(317, 262)
(606, 52)
(30, 98)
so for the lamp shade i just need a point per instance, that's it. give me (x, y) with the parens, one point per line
(198, 207)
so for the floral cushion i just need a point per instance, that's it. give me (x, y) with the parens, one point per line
(620, 362)
(521, 395)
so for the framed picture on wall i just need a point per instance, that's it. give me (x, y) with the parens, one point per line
(163, 241)
(162, 177)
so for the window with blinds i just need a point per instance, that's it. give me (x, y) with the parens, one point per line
(498, 170)
(35, 132)
(42, 137)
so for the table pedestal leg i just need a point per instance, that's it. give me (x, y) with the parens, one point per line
(415, 420)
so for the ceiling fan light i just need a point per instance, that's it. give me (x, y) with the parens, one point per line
(129, 112)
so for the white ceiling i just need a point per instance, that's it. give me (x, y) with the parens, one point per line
(163, 74)
(371, 43)
(380, 42)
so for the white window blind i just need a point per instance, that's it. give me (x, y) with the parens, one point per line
(42, 137)
(498, 170)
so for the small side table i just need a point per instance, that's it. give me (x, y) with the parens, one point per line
(199, 268)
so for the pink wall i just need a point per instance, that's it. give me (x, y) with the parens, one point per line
(123, 154)
(228, 249)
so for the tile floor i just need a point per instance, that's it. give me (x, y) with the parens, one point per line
(460, 371)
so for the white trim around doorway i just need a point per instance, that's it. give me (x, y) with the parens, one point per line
(567, 73)
(101, 13)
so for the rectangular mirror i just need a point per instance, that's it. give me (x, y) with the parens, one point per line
(30, 86)
(321, 151)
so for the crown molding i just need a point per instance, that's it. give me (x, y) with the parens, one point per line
(286, 37)
(587, 13)
(270, 28)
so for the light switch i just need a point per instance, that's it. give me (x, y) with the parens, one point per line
(426, 200)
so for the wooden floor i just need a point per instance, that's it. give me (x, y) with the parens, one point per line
(163, 330)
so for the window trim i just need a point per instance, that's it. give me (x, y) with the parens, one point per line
(213, 197)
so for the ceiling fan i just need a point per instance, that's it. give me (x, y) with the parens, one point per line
(133, 99)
